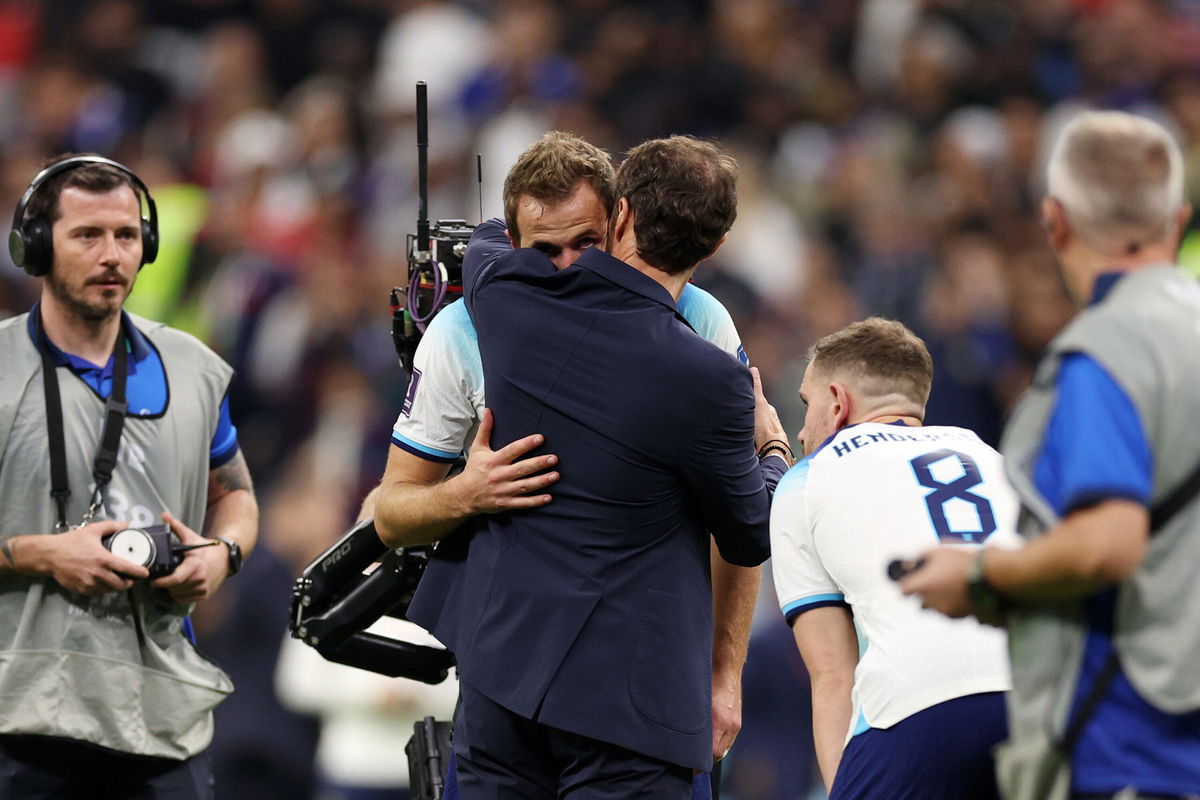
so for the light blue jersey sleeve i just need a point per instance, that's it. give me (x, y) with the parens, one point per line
(445, 396)
(801, 582)
(711, 320)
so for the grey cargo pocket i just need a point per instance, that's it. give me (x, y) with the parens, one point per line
(1033, 767)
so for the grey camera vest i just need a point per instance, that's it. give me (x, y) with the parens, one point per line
(114, 670)
(1146, 335)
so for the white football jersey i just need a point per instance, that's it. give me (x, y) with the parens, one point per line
(877, 492)
(445, 396)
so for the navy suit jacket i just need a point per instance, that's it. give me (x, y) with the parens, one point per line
(593, 614)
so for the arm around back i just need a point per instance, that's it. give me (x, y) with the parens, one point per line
(417, 505)
(721, 468)
(413, 504)
(481, 263)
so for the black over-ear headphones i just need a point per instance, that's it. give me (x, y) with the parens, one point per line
(30, 243)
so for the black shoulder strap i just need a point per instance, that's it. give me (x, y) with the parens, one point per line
(110, 437)
(60, 490)
(114, 417)
(1173, 503)
(1088, 707)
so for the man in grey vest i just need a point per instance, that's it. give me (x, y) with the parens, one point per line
(1102, 603)
(112, 426)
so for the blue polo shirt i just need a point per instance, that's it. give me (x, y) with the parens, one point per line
(1095, 449)
(146, 389)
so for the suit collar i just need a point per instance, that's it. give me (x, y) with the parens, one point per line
(625, 276)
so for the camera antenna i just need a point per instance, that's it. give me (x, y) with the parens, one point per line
(434, 252)
(422, 168)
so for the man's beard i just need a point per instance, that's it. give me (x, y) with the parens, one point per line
(77, 306)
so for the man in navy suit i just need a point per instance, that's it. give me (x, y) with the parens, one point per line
(583, 627)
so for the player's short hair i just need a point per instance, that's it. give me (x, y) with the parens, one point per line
(883, 355)
(98, 178)
(551, 168)
(683, 195)
(1117, 174)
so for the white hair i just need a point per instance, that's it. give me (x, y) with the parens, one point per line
(1117, 174)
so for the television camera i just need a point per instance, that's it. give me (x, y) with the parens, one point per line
(359, 579)
(435, 256)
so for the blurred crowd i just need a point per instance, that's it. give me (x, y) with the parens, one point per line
(890, 156)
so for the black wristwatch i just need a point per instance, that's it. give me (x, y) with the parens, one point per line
(235, 554)
(982, 594)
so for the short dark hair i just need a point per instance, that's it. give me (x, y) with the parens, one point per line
(97, 178)
(551, 168)
(682, 192)
(884, 353)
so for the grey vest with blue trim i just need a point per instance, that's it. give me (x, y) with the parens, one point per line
(1146, 335)
(114, 670)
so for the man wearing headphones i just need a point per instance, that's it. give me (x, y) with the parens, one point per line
(110, 424)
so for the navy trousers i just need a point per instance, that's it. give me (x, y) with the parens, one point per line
(49, 768)
(941, 753)
(500, 755)
(704, 786)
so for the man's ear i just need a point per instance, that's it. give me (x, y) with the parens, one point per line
(511, 240)
(716, 247)
(622, 219)
(842, 403)
(1054, 220)
(1181, 222)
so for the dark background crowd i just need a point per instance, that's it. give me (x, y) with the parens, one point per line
(890, 154)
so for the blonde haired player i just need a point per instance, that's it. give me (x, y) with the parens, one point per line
(916, 712)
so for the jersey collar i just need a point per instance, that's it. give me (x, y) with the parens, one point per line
(835, 434)
(139, 348)
(1104, 284)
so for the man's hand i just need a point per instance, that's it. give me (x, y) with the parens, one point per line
(766, 420)
(202, 570)
(416, 504)
(726, 715)
(495, 480)
(941, 582)
(77, 561)
(735, 591)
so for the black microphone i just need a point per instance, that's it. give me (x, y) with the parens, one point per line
(897, 569)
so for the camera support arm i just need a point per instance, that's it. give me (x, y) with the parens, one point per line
(349, 586)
